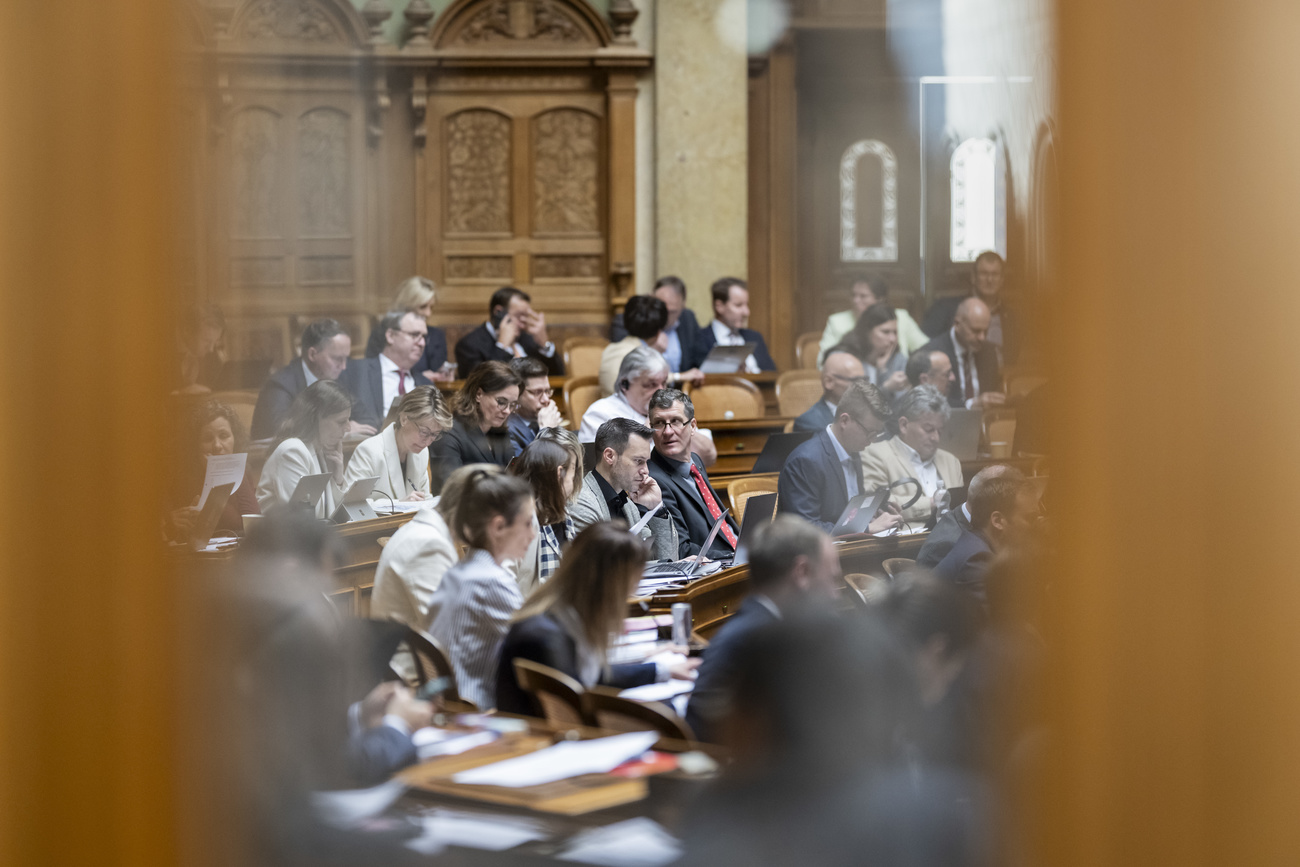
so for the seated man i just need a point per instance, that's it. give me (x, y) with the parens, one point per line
(513, 330)
(376, 382)
(730, 314)
(325, 350)
(1004, 516)
(861, 296)
(930, 367)
(536, 408)
(839, 371)
(688, 496)
(825, 472)
(644, 317)
(914, 453)
(986, 277)
(956, 521)
(682, 327)
(620, 486)
(791, 563)
(978, 382)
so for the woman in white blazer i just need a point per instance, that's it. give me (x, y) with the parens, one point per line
(399, 454)
(914, 453)
(310, 442)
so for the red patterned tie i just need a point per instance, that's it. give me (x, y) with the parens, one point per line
(712, 505)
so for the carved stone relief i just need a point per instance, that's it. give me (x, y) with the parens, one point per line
(255, 205)
(537, 20)
(566, 168)
(480, 268)
(291, 20)
(850, 250)
(580, 267)
(478, 172)
(324, 183)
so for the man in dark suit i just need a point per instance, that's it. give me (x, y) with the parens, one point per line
(791, 563)
(325, 350)
(376, 382)
(513, 330)
(730, 315)
(688, 496)
(1004, 514)
(536, 409)
(825, 472)
(977, 383)
(839, 371)
(956, 521)
(986, 284)
(682, 328)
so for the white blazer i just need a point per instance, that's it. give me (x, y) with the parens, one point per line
(291, 460)
(411, 567)
(377, 456)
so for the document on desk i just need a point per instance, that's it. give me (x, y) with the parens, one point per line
(445, 827)
(560, 762)
(346, 808)
(639, 842)
(645, 519)
(658, 691)
(223, 469)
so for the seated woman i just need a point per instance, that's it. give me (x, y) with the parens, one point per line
(552, 471)
(310, 442)
(479, 432)
(874, 340)
(570, 622)
(214, 430)
(913, 452)
(861, 296)
(470, 611)
(413, 562)
(398, 454)
(417, 295)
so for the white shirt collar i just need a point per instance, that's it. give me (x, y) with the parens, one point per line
(840, 451)
(306, 371)
(722, 332)
(912, 454)
(386, 364)
(768, 604)
(834, 408)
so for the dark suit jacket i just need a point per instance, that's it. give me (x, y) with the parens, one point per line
(542, 639)
(363, 378)
(435, 352)
(706, 341)
(466, 444)
(816, 418)
(938, 319)
(275, 398)
(479, 346)
(945, 534)
(521, 432)
(986, 365)
(376, 754)
(683, 501)
(812, 483)
(720, 667)
(967, 563)
(688, 331)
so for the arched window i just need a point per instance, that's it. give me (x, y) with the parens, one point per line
(858, 225)
(979, 200)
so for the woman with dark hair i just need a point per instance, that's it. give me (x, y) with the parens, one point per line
(214, 429)
(570, 622)
(874, 340)
(478, 432)
(310, 442)
(553, 470)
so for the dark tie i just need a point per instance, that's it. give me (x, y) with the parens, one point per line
(968, 373)
(712, 505)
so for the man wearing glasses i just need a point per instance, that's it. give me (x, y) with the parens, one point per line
(824, 473)
(536, 408)
(839, 370)
(376, 382)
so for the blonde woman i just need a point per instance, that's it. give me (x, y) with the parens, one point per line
(399, 454)
(417, 295)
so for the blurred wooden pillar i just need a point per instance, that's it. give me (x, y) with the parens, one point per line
(1176, 694)
(87, 624)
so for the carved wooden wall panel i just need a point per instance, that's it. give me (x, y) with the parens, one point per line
(566, 172)
(478, 172)
(254, 175)
(324, 174)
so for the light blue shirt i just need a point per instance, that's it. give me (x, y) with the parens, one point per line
(673, 354)
(846, 464)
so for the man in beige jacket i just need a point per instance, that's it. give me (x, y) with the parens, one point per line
(913, 452)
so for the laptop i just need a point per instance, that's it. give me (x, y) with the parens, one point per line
(206, 524)
(310, 489)
(858, 513)
(776, 451)
(727, 359)
(687, 568)
(354, 505)
(961, 435)
(758, 514)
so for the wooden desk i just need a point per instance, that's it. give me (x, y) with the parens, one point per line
(739, 441)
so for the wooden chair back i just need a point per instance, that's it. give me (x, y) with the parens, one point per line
(607, 709)
(896, 566)
(870, 588)
(579, 393)
(722, 394)
(242, 402)
(741, 489)
(582, 355)
(797, 391)
(431, 661)
(558, 697)
(807, 347)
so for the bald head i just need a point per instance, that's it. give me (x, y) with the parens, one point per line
(972, 323)
(988, 474)
(839, 371)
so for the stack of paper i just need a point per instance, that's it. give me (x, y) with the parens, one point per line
(560, 762)
(496, 833)
(637, 842)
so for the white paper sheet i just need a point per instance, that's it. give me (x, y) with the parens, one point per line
(221, 543)
(564, 760)
(659, 691)
(645, 519)
(223, 469)
(347, 807)
(495, 833)
(639, 842)
(455, 746)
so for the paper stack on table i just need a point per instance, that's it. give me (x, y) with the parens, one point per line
(560, 762)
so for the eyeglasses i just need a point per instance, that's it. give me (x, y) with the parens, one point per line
(427, 434)
(511, 405)
(872, 436)
(416, 335)
(664, 423)
(541, 393)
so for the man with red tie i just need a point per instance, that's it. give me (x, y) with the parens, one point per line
(376, 382)
(688, 496)
(977, 375)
